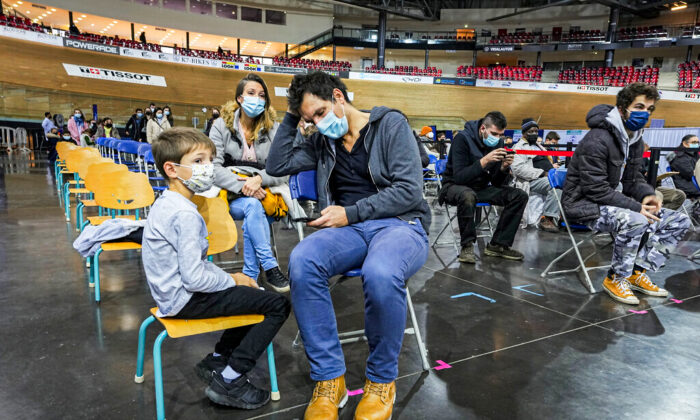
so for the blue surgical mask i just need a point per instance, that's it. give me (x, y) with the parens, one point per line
(491, 140)
(66, 137)
(139, 115)
(166, 112)
(637, 120)
(694, 145)
(253, 106)
(77, 117)
(333, 127)
(159, 116)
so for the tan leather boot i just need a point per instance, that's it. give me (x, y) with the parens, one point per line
(377, 401)
(328, 397)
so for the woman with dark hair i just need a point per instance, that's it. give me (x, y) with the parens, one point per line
(243, 136)
(168, 112)
(77, 125)
(156, 125)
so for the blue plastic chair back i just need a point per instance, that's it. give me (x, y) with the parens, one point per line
(303, 186)
(695, 182)
(129, 146)
(440, 166)
(557, 177)
(143, 148)
(433, 159)
(148, 157)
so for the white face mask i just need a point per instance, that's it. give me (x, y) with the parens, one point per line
(202, 178)
(430, 135)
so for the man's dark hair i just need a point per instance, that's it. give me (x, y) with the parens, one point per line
(687, 137)
(318, 83)
(552, 135)
(138, 109)
(626, 96)
(495, 118)
(152, 104)
(46, 114)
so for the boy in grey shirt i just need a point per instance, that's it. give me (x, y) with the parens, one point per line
(185, 285)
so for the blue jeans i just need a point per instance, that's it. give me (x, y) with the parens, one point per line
(256, 235)
(389, 251)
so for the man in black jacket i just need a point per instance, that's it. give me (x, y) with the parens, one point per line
(611, 153)
(136, 126)
(685, 163)
(477, 170)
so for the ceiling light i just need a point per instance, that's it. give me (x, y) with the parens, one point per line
(14, 5)
(114, 21)
(172, 31)
(28, 12)
(92, 24)
(466, 26)
(678, 7)
(49, 12)
(83, 16)
(53, 10)
(19, 2)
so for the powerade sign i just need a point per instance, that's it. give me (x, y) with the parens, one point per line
(90, 46)
(454, 81)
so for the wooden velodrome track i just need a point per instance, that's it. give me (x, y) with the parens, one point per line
(38, 67)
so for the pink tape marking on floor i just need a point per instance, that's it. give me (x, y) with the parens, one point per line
(441, 365)
(676, 301)
(638, 312)
(355, 392)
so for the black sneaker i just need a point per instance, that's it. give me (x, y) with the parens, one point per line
(278, 281)
(205, 369)
(503, 252)
(239, 393)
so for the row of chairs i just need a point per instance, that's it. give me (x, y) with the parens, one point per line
(116, 189)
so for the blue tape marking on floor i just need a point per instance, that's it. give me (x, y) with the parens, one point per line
(473, 294)
(523, 289)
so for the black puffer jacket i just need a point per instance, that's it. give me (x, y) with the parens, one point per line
(598, 166)
(684, 163)
(464, 160)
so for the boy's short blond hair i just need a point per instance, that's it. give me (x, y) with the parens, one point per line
(171, 145)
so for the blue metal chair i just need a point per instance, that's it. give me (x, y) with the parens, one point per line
(177, 328)
(439, 170)
(148, 160)
(303, 187)
(556, 180)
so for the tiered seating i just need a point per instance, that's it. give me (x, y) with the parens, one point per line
(21, 23)
(116, 41)
(312, 64)
(642, 32)
(610, 76)
(406, 71)
(520, 38)
(517, 73)
(583, 36)
(689, 77)
(689, 31)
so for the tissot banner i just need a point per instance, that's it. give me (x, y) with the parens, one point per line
(114, 75)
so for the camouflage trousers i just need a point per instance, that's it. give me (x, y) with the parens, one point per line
(629, 227)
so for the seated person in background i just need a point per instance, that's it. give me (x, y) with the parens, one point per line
(86, 138)
(441, 144)
(185, 285)
(508, 142)
(533, 180)
(373, 216)
(423, 151)
(52, 137)
(477, 171)
(107, 129)
(645, 232)
(685, 163)
(672, 198)
(548, 162)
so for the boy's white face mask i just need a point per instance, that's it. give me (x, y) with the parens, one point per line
(202, 178)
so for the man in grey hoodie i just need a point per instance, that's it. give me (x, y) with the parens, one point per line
(369, 182)
(612, 153)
